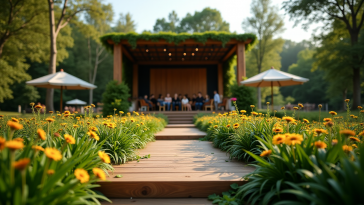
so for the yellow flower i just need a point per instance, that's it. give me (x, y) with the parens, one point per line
(38, 148)
(14, 125)
(306, 121)
(354, 145)
(14, 145)
(38, 107)
(50, 119)
(254, 113)
(266, 153)
(300, 105)
(19, 139)
(360, 107)
(347, 148)
(277, 130)
(31, 104)
(320, 145)
(104, 157)
(66, 112)
(354, 139)
(319, 131)
(50, 172)
(92, 105)
(53, 153)
(99, 173)
(228, 125)
(14, 119)
(215, 126)
(296, 108)
(82, 175)
(278, 139)
(329, 124)
(292, 139)
(21, 164)
(93, 135)
(42, 135)
(236, 126)
(69, 139)
(327, 119)
(252, 106)
(288, 119)
(243, 111)
(347, 100)
(347, 132)
(361, 133)
(332, 113)
(282, 108)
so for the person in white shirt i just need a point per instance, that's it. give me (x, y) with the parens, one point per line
(216, 99)
(185, 103)
(168, 101)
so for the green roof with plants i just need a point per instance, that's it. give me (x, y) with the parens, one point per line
(170, 37)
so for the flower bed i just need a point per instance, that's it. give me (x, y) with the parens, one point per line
(57, 159)
(297, 161)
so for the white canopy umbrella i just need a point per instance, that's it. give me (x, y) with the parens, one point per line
(273, 77)
(61, 80)
(76, 102)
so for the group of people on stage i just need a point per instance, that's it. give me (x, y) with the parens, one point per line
(181, 101)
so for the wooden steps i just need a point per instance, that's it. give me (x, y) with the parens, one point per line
(180, 134)
(175, 169)
(180, 125)
(179, 117)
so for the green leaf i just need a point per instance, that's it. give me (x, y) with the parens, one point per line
(119, 176)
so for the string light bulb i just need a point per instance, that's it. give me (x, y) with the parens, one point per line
(170, 54)
(193, 54)
(146, 50)
(184, 54)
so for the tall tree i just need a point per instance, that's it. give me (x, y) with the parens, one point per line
(125, 24)
(349, 12)
(206, 20)
(290, 52)
(21, 30)
(68, 11)
(163, 25)
(266, 23)
(97, 25)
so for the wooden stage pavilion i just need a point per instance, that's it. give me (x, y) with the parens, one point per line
(161, 66)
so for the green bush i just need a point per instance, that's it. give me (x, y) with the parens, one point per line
(115, 96)
(244, 96)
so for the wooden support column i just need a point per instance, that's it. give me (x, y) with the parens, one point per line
(220, 80)
(135, 81)
(118, 62)
(240, 68)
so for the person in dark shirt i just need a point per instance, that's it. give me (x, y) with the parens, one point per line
(176, 102)
(193, 101)
(199, 101)
(154, 101)
(148, 102)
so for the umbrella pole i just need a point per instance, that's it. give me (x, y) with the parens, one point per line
(271, 89)
(61, 99)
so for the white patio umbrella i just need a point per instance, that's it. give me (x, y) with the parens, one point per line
(76, 102)
(273, 77)
(61, 80)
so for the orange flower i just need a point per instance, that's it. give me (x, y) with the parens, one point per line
(320, 145)
(50, 172)
(42, 134)
(300, 105)
(69, 139)
(2, 143)
(14, 119)
(104, 157)
(332, 113)
(266, 153)
(38, 106)
(99, 173)
(327, 119)
(347, 132)
(278, 139)
(347, 100)
(82, 175)
(292, 139)
(53, 153)
(319, 131)
(19, 139)
(50, 119)
(361, 133)
(334, 142)
(329, 124)
(14, 145)
(14, 125)
(38, 148)
(254, 113)
(288, 119)
(347, 148)
(277, 130)
(228, 125)
(355, 139)
(21, 164)
(306, 121)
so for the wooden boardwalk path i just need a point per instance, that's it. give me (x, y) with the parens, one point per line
(179, 167)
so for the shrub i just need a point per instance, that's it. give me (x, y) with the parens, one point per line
(244, 96)
(115, 97)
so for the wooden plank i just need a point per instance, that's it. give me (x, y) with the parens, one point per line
(160, 189)
(240, 68)
(127, 54)
(172, 165)
(231, 52)
(183, 169)
(220, 79)
(178, 62)
(118, 63)
(135, 81)
(175, 201)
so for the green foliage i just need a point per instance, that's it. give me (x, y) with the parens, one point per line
(115, 97)
(170, 37)
(229, 76)
(290, 50)
(227, 198)
(244, 95)
(163, 25)
(125, 24)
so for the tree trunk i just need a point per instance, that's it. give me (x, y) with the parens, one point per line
(356, 71)
(2, 44)
(53, 54)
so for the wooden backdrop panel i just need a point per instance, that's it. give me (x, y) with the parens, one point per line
(181, 81)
